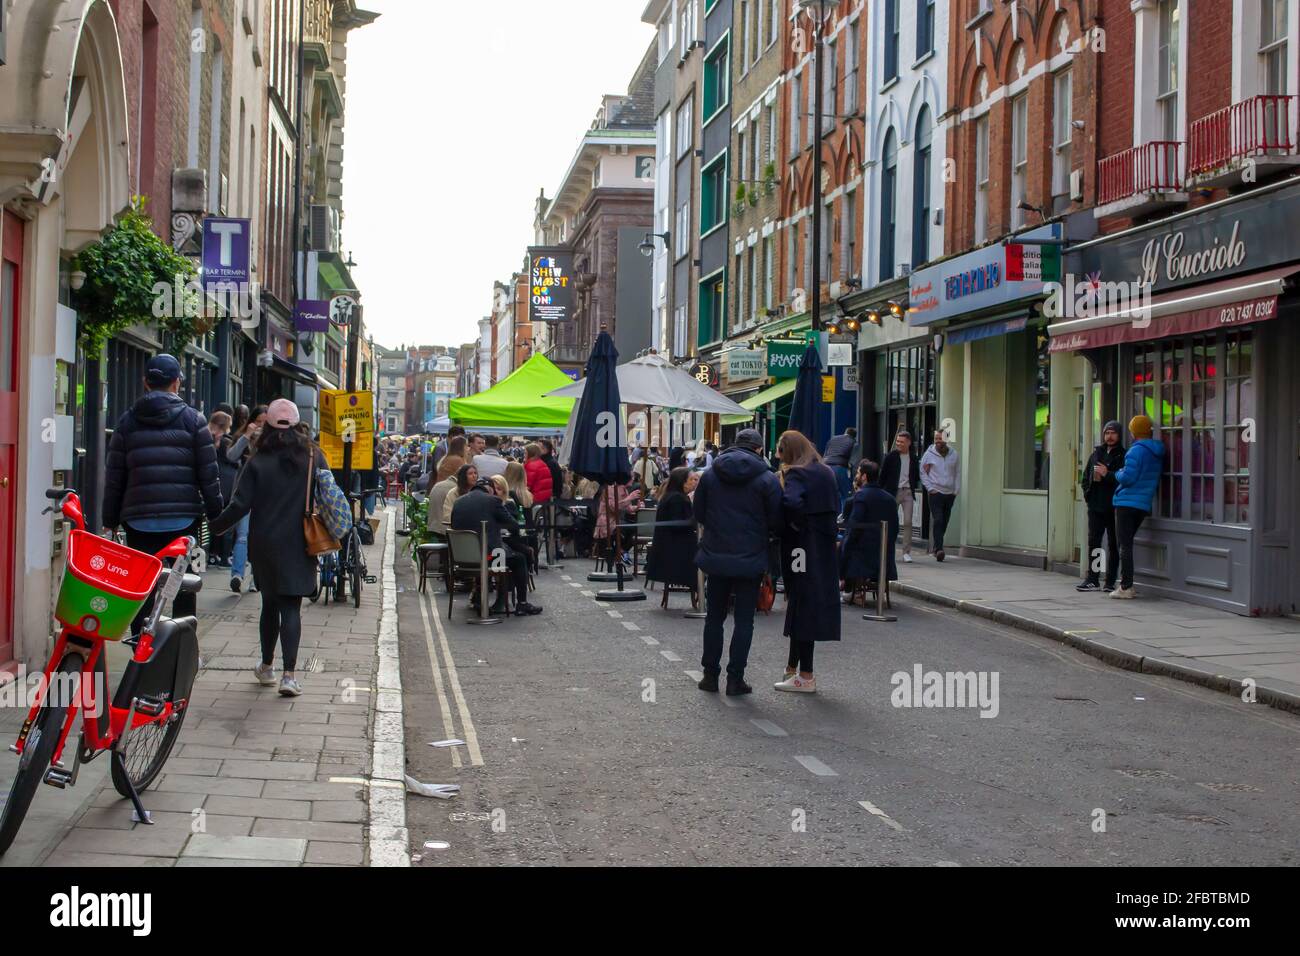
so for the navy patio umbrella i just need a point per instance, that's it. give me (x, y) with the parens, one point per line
(599, 451)
(805, 410)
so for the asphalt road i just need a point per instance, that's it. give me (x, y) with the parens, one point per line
(584, 762)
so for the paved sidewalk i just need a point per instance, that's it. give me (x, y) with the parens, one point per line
(256, 779)
(1155, 635)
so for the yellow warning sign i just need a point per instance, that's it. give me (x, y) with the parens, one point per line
(337, 408)
(363, 450)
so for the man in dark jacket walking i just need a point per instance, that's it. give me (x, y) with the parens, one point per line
(1098, 483)
(161, 476)
(738, 502)
(839, 456)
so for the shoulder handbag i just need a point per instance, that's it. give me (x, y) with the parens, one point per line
(766, 594)
(315, 532)
(331, 504)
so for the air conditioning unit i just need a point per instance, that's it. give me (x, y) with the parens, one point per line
(1076, 185)
(324, 228)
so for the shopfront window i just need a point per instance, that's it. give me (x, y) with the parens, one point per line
(1199, 391)
(1238, 427)
(1027, 432)
(910, 394)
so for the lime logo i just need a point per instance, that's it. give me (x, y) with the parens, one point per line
(99, 604)
(97, 563)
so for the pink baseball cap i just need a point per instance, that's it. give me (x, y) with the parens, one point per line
(282, 413)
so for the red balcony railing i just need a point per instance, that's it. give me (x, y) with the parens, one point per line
(1253, 127)
(1149, 168)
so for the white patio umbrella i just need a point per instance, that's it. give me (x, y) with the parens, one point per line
(652, 380)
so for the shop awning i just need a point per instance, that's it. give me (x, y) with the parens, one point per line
(1242, 300)
(294, 371)
(757, 401)
(986, 330)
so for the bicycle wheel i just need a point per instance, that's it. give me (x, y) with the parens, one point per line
(341, 572)
(356, 587)
(147, 749)
(36, 755)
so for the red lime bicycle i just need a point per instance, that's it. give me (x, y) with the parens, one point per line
(105, 584)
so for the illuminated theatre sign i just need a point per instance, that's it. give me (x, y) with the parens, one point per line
(550, 285)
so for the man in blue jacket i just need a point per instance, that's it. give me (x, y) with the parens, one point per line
(738, 503)
(1136, 485)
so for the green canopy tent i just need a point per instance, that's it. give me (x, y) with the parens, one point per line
(518, 401)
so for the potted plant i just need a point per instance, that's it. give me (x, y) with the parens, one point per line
(417, 513)
(769, 178)
(740, 198)
(131, 277)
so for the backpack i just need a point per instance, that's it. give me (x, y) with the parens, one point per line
(331, 504)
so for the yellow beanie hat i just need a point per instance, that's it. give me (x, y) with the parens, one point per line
(1140, 426)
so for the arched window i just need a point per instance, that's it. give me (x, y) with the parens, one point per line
(888, 205)
(921, 191)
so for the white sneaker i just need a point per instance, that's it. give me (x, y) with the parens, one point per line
(907, 559)
(265, 675)
(798, 684)
(289, 686)
(1124, 594)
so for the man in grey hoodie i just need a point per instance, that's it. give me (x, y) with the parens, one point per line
(941, 475)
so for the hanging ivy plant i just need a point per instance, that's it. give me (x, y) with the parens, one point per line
(126, 274)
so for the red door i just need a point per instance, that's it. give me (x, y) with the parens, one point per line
(11, 271)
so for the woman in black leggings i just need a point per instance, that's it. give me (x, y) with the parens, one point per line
(274, 488)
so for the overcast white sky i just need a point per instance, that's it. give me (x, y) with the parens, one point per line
(457, 113)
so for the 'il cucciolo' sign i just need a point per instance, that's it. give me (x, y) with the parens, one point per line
(1247, 234)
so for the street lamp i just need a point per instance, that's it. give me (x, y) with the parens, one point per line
(647, 246)
(817, 10)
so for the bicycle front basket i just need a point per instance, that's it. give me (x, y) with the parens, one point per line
(104, 585)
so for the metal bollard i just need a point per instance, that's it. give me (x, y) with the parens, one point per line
(483, 581)
(552, 553)
(882, 578)
(699, 584)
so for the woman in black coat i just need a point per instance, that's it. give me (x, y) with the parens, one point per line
(273, 490)
(860, 552)
(672, 553)
(810, 567)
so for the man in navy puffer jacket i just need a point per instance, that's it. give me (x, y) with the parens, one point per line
(738, 503)
(1136, 486)
(161, 476)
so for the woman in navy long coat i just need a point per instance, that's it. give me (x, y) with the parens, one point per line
(860, 552)
(809, 564)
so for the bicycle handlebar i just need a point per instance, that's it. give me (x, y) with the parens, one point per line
(57, 494)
